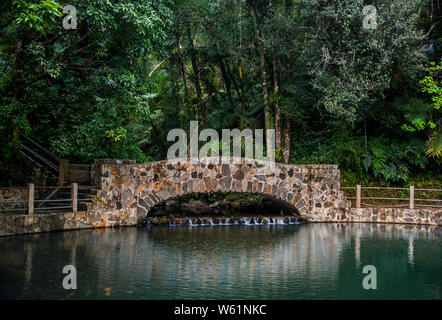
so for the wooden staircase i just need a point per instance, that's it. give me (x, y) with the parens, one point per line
(63, 174)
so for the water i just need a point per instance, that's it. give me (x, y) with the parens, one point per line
(309, 261)
(206, 221)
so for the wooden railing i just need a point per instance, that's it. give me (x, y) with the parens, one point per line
(70, 199)
(70, 172)
(408, 195)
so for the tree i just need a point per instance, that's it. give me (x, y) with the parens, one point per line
(351, 66)
(427, 116)
(82, 92)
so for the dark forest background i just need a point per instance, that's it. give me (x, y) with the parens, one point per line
(335, 92)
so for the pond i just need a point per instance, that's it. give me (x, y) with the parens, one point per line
(308, 261)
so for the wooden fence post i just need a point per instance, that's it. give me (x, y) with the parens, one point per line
(74, 197)
(30, 198)
(63, 167)
(358, 196)
(411, 197)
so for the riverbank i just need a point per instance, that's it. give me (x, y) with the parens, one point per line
(37, 223)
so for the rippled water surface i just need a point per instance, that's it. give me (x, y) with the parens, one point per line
(311, 261)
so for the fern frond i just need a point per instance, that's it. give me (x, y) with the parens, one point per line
(434, 145)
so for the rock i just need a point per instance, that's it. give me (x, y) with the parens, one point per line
(225, 170)
(238, 175)
(155, 220)
(198, 207)
(215, 204)
(232, 197)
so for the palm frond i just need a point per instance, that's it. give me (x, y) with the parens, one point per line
(434, 145)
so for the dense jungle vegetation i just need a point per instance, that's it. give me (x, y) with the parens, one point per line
(367, 99)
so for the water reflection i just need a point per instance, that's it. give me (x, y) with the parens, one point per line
(243, 262)
(410, 250)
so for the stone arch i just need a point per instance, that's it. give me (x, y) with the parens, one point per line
(286, 183)
(145, 209)
(146, 201)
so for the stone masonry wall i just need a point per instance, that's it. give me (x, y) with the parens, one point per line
(13, 195)
(25, 224)
(36, 223)
(128, 191)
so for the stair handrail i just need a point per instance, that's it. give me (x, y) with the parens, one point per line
(37, 156)
(41, 147)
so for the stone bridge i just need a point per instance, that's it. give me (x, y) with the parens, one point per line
(128, 190)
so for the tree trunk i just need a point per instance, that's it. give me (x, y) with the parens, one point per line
(184, 73)
(288, 5)
(225, 77)
(260, 46)
(365, 134)
(287, 139)
(227, 81)
(199, 95)
(239, 90)
(277, 107)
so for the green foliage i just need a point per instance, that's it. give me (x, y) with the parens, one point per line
(416, 113)
(434, 144)
(392, 160)
(83, 93)
(135, 69)
(432, 86)
(279, 156)
(353, 67)
(427, 116)
(37, 16)
(386, 160)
